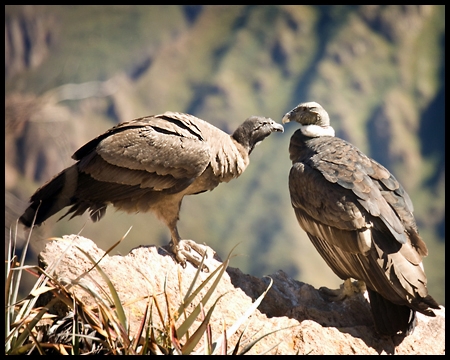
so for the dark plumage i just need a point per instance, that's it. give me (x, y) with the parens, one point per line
(360, 220)
(150, 164)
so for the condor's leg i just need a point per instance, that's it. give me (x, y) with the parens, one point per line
(167, 209)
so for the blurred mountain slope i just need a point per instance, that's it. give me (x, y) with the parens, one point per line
(74, 71)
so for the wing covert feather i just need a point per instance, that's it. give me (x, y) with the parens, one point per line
(100, 170)
(154, 151)
(366, 178)
(167, 144)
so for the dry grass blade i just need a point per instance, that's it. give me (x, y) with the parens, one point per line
(224, 339)
(9, 299)
(138, 336)
(12, 289)
(238, 342)
(208, 334)
(174, 339)
(149, 341)
(195, 338)
(243, 318)
(248, 347)
(194, 280)
(11, 264)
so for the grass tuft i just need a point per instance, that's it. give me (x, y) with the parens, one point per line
(52, 319)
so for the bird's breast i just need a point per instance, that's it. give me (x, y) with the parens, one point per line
(205, 182)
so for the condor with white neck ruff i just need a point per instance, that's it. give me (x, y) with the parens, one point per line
(360, 220)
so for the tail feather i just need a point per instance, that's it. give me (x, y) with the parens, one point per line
(51, 197)
(389, 318)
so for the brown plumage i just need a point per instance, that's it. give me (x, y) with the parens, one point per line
(150, 164)
(360, 220)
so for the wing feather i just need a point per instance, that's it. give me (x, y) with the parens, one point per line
(353, 170)
(101, 170)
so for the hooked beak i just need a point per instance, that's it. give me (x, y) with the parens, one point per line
(277, 127)
(286, 118)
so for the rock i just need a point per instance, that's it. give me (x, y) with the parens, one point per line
(308, 323)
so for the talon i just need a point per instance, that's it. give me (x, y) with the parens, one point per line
(347, 289)
(188, 250)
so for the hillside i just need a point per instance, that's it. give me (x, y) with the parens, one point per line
(74, 71)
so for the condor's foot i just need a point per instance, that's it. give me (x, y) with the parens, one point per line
(189, 250)
(347, 289)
